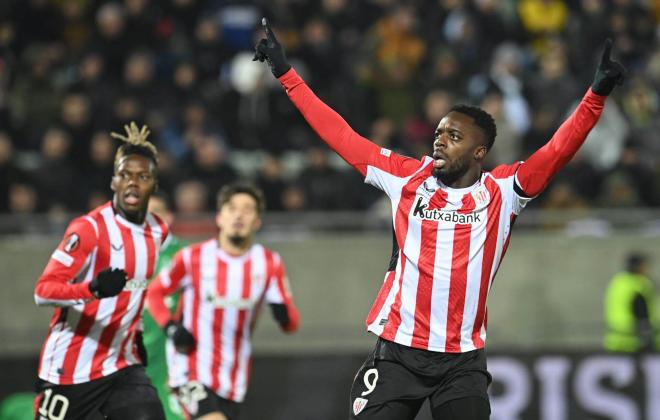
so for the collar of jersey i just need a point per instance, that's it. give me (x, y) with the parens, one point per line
(128, 224)
(459, 190)
(225, 256)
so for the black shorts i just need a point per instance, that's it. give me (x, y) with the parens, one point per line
(395, 380)
(197, 400)
(127, 389)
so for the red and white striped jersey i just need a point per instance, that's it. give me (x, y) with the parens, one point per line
(450, 241)
(91, 338)
(220, 300)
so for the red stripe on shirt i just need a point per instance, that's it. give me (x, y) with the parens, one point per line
(490, 245)
(426, 264)
(196, 291)
(394, 317)
(122, 300)
(151, 250)
(131, 331)
(240, 327)
(130, 334)
(382, 296)
(218, 318)
(88, 316)
(458, 280)
(408, 194)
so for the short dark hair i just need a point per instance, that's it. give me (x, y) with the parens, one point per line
(635, 261)
(483, 120)
(228, 191)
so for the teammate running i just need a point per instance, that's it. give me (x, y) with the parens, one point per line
(223, 282)
(91, 364)
(452, 221)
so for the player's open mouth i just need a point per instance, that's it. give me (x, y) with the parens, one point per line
(438, 160)
(131, 198)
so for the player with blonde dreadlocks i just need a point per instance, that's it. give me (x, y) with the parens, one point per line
(92, 362)
(136, 160)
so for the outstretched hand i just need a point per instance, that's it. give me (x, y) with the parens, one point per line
(608, 74)
(270, 50)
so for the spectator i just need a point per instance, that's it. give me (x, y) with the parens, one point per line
(8, 171)
(294, 198)
(554, 85)
(110, 38)
(210, 164)
(101, 164)
(184, 67)
(76, 121)
(191, 198)
(323, 185)
(23, 198)
(397, 51)
(271, 181)
(509, 144)
(632, 182)
(55, 175)
(542, 19)
(33, 98)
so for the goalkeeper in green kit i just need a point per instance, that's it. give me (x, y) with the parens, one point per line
(153, 336)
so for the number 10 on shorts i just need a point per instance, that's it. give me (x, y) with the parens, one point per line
(53, 407)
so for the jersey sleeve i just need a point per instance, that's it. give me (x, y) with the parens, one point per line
(356, 150)
(506, 177)
(62, 282)
(278, 293)
(170, 279)
(534, 175)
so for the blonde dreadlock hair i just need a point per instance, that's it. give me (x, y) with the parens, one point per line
(135, 143)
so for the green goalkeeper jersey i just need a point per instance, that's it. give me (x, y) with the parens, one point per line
(154, 338)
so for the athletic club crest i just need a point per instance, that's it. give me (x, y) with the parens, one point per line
(358, 405)
(481, 197)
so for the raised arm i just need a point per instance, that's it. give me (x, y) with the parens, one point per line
(536, 172)
(66, 280)
(330, 126)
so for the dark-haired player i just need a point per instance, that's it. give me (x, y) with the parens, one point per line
(91, 364)
(223, 282)
(452, 221)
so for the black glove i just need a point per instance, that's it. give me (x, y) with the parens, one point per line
(141, 349)
(271, 51)
(183, 340)
(608, 74)
(108, 283)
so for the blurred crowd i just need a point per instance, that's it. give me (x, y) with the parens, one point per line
(72, 71)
